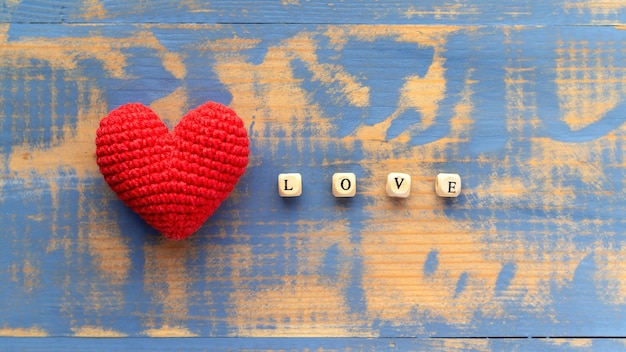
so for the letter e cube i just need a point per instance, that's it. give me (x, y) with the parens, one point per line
(448, 185)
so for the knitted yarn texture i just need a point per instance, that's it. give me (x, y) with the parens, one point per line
(173, 180)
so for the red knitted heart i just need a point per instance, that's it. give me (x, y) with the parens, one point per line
(173, 180)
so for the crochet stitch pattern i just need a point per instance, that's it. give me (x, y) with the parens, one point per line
(173, 180)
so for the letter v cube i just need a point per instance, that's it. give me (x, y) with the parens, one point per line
(398, 185)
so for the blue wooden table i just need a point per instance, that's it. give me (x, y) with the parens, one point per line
(525, 100)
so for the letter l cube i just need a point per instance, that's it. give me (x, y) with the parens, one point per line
(290, 185)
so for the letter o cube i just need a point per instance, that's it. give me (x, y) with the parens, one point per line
(290, 185)
(344, 184)
(448, 185)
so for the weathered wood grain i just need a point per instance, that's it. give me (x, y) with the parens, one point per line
(310, 344)
(526, 102)
(469, 12)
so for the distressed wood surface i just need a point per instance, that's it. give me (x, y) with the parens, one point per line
(525, 100)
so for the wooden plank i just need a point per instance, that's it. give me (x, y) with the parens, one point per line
(532, 117)
(470, 12)
(309, 344)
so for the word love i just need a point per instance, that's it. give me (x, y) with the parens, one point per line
(343, 185)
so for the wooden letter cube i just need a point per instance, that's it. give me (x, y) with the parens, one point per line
(448, 185)
(290, 185)
(344, 184)
(398, 185)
